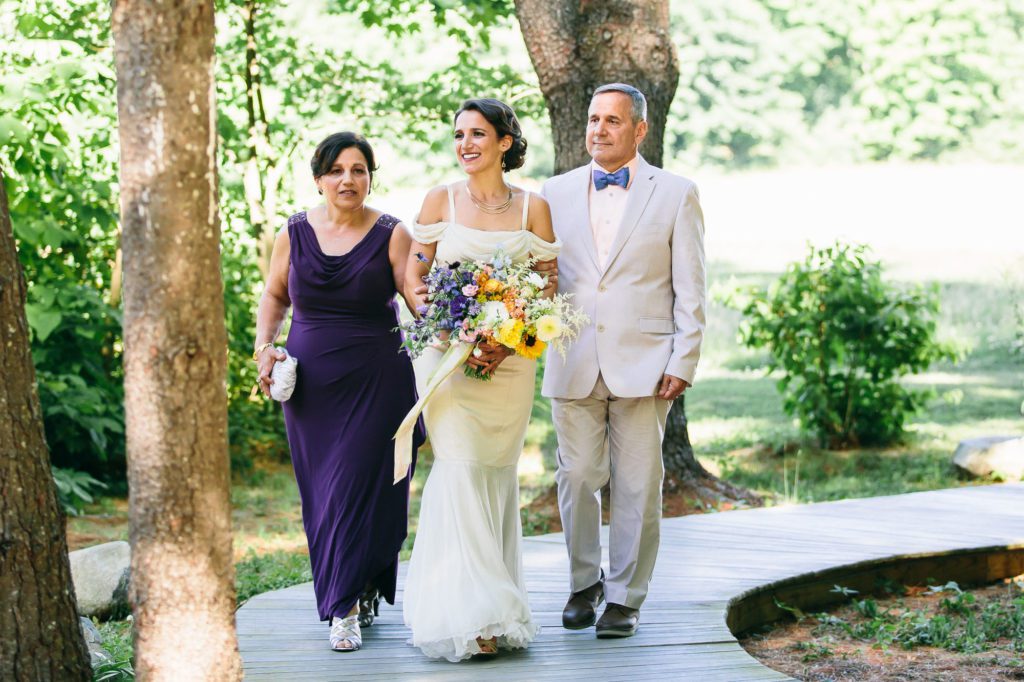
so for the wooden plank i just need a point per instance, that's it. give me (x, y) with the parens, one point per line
(710, 568)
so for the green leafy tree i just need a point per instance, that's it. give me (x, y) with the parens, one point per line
(732, 107)
(907, 80)
(843, 338)
(57, 152)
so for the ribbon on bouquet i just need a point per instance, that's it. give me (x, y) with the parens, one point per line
(452, 359)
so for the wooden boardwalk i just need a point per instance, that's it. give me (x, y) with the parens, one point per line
(711, 568)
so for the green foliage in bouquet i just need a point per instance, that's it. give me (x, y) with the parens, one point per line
(843, 338)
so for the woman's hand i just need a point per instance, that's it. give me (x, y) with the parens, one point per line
(265, 363)
(420, 299)
(491, 355)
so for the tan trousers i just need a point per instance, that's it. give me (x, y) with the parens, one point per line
(602, 438)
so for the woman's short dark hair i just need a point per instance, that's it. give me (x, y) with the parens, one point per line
(332, 145)
(503, 118)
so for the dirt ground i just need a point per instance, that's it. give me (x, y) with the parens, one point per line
(677, 500)
(795, 649)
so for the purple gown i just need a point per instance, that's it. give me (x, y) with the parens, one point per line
(353, 388)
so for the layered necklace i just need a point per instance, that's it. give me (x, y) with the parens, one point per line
(493, 209)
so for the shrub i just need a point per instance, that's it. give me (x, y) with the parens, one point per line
(843, 338)
(74, 489)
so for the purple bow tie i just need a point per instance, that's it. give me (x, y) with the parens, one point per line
(619, 177)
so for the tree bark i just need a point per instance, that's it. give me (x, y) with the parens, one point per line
(684, 474)
(40, 639)
(175, 343)
(577, 45)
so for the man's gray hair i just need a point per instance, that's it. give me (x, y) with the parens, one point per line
(639, 109)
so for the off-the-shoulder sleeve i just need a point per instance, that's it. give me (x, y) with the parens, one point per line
(542, 250)
(427, 234)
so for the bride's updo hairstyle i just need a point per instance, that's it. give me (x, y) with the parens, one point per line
(503, 118)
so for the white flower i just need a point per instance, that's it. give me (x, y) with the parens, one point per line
(494, 313)
(549, 327)
(536, 280)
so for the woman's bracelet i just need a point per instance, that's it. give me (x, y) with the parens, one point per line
(260, 349)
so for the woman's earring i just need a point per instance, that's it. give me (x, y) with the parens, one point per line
(504, 168)
(319, 191)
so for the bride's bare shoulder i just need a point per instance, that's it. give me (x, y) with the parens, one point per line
(435, 206)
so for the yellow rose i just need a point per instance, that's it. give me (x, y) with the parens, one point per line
(510, 332)
(493, 286)
(548, 327)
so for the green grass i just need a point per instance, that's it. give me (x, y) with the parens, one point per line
(738, 428)
(117, 640)
(259, 573)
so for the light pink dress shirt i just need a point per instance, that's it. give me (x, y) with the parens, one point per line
(606, 209)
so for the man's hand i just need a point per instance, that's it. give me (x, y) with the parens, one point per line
(671, 387)
(548, 268)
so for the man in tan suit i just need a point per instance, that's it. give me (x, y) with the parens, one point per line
(633, 256)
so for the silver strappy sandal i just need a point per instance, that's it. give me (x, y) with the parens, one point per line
(345, 634)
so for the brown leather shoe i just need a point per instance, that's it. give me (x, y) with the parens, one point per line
(581, 610)
(618, 621)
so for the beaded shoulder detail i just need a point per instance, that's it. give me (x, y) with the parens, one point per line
(387, 220)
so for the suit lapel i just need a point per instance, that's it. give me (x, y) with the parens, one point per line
(639, 194)
(580, 191)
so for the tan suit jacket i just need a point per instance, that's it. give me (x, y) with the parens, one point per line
(646, 305)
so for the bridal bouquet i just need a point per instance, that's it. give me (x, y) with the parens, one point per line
(496, 301)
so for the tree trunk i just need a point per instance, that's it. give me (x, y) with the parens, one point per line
(175, 343)
(685, 475)
(265, 164)
(577, 45)
(40, 638)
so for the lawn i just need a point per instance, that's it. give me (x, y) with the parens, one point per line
(737, 425)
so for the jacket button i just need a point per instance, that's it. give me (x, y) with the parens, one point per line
(600, 327)
(602, 288)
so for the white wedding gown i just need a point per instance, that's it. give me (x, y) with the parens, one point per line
(465, 575)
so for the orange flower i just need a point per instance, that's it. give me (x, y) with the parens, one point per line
(493, 286)
(509, 299)
(530, 347)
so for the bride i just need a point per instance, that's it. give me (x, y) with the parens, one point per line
(464, 594)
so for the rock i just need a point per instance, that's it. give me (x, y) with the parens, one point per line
(94, 640)
(100, 574)
(1000, 455)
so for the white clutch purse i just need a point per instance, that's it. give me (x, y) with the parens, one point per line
(283, 374)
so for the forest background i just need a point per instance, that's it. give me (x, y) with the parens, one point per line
(896, 124)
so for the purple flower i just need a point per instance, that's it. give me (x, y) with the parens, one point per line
(458, 306)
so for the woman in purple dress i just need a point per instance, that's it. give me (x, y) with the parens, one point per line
(339, 266)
